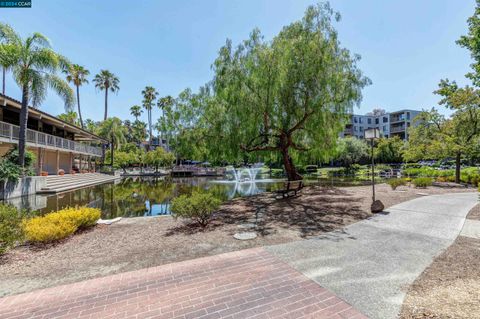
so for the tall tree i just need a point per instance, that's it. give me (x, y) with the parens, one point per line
(6, 34)
(77, 75)
(149, 97)
(136, 111)
(289, 95)
(457, 134)
(34, 66)
(106, 80)
(163, 104)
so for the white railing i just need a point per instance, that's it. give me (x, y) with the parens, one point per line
(11, 132)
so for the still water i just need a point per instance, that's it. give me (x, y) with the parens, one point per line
(133, 197)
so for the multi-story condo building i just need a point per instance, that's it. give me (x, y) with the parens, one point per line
(390, 124)
(58, 145)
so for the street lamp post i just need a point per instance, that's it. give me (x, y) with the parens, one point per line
(372, 134)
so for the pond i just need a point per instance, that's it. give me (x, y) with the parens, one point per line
(133, 197)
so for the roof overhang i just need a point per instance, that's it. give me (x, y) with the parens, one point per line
(80, 134)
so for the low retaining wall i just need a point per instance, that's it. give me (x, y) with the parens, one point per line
(24, 186)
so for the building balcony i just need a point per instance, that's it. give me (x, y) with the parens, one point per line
(397, 129)
(9, 133)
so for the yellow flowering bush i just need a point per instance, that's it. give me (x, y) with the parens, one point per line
(60, 224)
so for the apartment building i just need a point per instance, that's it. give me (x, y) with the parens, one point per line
(390, 124)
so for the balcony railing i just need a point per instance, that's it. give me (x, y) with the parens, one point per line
(40, 139)
(397, 129)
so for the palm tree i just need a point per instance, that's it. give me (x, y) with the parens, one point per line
(69, 117)
(6, 33)
(78, 75)
(34, 66)
(113, 130)
(149, 96)
(164, 103)
(106, 80)
(136, 111)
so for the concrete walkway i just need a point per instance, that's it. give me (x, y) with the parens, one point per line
(245, 284)
(370, 264)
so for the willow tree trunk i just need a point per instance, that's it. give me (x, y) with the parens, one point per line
(106, 104)
(292, 174)
(78, 104)
(22, 137)
(457, 167)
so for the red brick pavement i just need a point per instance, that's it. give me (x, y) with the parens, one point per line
(244, 284)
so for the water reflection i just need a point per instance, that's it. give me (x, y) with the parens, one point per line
(132, 197)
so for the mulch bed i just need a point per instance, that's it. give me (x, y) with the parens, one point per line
(450, 286)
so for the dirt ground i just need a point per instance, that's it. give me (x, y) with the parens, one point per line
(450, 286)
(137, 243)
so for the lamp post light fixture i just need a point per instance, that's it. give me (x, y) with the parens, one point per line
(372, 134)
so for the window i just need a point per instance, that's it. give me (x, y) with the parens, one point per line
(408, 115)
(385, 119)
(355, 120)
(361, 128)
(355, 128)
(360, 120)
(369, 121)
(384, 128)
(377, 121)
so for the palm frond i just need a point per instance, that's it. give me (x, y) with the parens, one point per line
(61, 87)
(8, 35)
(40, 40)
(38, 88)
(45, 59)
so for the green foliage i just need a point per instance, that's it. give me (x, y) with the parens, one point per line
(113, 130)
(106, 81)
(396, 182)
(437, 137)
(11, 171)
(290, 95)
(10, 227)
(422, 182)
(70, 117)
(159, 158)
(351, 150)
(389, 150)
(197, 207)
(123, 159)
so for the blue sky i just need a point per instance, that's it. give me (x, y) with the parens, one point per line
(406, 46)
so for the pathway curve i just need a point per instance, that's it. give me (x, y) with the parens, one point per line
(245, 284)
(370, 264)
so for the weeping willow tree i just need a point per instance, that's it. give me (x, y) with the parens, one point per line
(287, 96)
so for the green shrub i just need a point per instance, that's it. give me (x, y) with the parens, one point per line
(10, 227)
(11, 171)
(422, 182)
(198, 207)
(60, 224)
(396, 182)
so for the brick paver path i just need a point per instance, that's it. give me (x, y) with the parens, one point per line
(244, 284)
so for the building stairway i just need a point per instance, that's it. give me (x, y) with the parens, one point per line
(62, 183)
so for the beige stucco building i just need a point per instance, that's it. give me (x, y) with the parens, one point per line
(56, 143)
